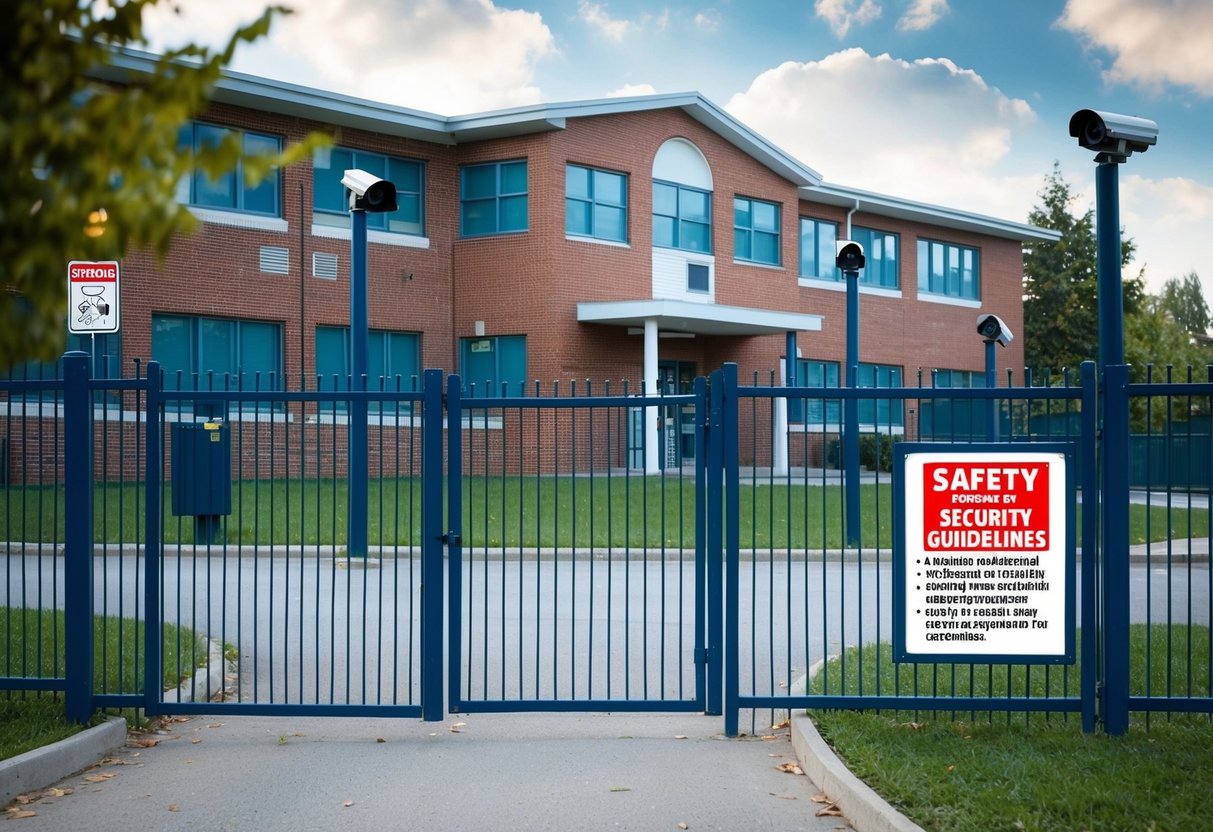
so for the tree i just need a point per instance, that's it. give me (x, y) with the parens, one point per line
(1184, 300)
(1061, 314)
(92, 168)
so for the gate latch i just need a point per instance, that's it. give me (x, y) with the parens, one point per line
(452, 539)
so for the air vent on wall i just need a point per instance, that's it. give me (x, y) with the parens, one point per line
(324, 265)
(697, 277)
(275, 260)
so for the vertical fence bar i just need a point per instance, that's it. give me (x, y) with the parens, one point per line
(701, 548)
(715, 544)
(152, 542)
(732, 542)
(1115, 520)
(432, 706)
(454, 524)
(1090, 531)
(78, 537)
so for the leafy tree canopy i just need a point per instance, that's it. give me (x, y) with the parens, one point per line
(91, 169)
(1184, 300)
(1061, 280)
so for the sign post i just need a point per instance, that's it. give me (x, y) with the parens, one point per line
(92, 297)
(984, 553)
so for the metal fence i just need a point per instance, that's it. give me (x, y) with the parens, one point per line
(504, 551)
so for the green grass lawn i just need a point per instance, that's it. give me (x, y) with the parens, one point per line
(32, 643)
(516, 511)
(956, 772)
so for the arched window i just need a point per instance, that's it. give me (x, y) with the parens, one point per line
(682, 198)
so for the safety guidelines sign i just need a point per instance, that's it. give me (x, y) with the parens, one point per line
(984, 553)
(92, 296)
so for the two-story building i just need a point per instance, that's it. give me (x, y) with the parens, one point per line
(647, 239)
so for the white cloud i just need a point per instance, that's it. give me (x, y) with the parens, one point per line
(630, 90)
(842, 14)
(922, 15)
(708, 19)
(1169, 220)
(443, 56)
(611, 28)
(926, 130)
(1154, 42)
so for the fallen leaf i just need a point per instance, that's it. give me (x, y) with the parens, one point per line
(789, 768)
(172, 807)
(380, 739)
(99, 778)
(25, 798)
(215, 725)
(143, 742)
(55, 792)
(195, 740)
(683, 826)
(620, 789)
(458, 727)
(820, 798)
(786, 796)
(777, 726)
(830, 810)
(347, 804)
(680, 736)
(15, 813)
(769, 737)
(951, 768)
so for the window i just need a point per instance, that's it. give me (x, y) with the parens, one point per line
(493, 198)
(682, 217)
(393, 361)
(217, 353)
(880, 412)
(331, 201)
(949, 270)
(595, 203)
(812, 373)
(756, 231)
(880, 250)
(495, 365)
(954, 419)
(817, 241)
(230, 191)
(105, 352)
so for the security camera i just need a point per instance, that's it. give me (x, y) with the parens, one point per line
(1111, 133)
(849, 256)
(371, 193)
(994, 328)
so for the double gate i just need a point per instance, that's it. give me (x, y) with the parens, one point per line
(503, 554)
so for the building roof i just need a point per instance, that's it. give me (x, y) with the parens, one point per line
(284, 98)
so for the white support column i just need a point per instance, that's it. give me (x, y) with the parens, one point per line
(779, 442)
(652, 451)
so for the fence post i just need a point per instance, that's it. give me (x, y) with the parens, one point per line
(715, 543)
(732, 513)
(454, 543)
(153, 547)
(432, 535)
(1088, 450)
(1114, 502)
(78, 537)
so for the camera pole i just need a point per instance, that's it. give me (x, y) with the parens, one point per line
(851, 411)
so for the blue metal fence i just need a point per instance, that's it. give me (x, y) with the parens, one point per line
(724, 582)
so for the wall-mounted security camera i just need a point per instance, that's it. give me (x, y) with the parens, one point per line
(994, 328)
(849, 256)
(1111, 133)
(370, 193)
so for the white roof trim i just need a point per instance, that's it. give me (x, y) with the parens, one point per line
(922, 212)
(699, 318)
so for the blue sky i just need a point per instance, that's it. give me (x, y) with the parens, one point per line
(963, 103)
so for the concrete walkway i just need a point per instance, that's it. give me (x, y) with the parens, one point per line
(475, 772)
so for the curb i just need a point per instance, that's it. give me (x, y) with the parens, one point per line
(865, 809)
(44, 766)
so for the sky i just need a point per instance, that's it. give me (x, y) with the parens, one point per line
(959, 103)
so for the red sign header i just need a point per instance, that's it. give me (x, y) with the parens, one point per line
(104, 272)
(971, 506)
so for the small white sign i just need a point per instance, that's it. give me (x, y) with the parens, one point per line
(92, 296)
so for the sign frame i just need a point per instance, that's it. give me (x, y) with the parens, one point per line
(82, 290)
(1065, 453)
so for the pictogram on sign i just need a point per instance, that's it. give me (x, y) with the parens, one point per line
(92, 296)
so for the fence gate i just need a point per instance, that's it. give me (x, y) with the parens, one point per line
(253, 545)
(577, 583)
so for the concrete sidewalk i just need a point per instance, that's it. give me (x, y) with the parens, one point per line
(473, 772)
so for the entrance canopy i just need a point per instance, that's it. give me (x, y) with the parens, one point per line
(696, 318)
